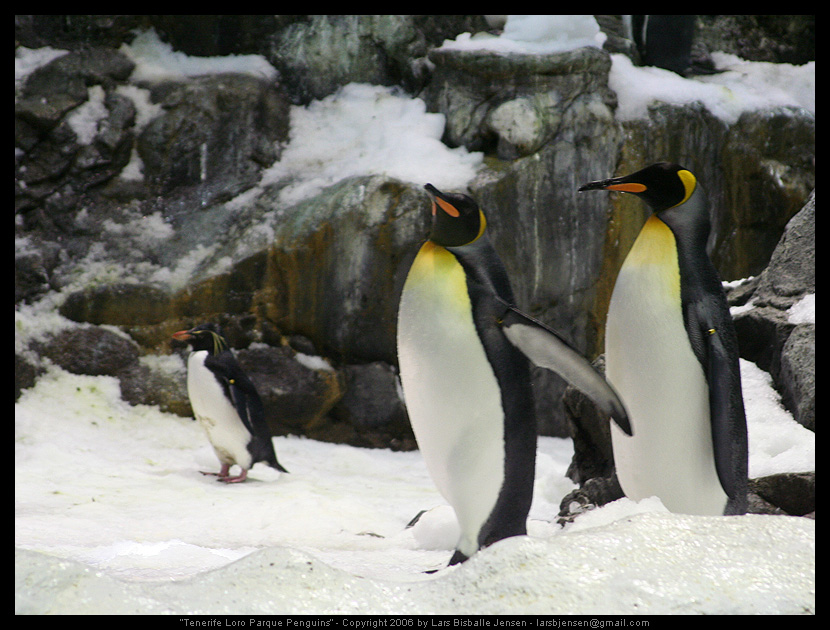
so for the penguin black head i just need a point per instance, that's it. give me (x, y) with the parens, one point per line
(456, 219)
(660, 185)
(203, 337)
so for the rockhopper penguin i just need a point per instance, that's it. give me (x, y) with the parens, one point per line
(226, 404)
(672, 354)
(463, 351)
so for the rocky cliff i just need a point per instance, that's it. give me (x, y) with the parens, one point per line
(150, 200)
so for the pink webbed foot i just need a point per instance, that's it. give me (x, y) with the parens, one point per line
(222, 474)
(242, 477)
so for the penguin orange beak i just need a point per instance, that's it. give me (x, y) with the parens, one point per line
(439, 202)
(182, 335)
(615, 184)
(632, 187)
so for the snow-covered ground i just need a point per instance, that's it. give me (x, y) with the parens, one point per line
(112, 495)
(113, 516)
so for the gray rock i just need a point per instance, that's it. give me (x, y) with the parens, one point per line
(121, 304)
(320, 53)
(90, 350)
(757, 173)
(765, 334)
(53, 167)
(219, 35)
(797, 378)
(791, 272)
(794, 493)
(143, 384)
(33, 266)
(26, 373)
(768, 175)
(216, 134)
(330, 259)
(74, 32)
(774, 38)
(511, 101)
(61, 85)
(297, 395)
(373, 405)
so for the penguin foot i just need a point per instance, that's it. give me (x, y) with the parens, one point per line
(458, 558)
(239, 479)
(594, 493)
(223, 473)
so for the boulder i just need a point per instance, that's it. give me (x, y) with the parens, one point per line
(757, 173)
(216, 134)
(797, 378)
(320, 53)
(73, 132)
(766, 333)
(373, 404)
(159, 381)
(297, 390)
(512, 102)
(773, 38)
(793, 493)
(91, 350)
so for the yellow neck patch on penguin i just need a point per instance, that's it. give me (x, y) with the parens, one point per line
(482, 226)
(689, 184)
(656, 246)
(435, 269)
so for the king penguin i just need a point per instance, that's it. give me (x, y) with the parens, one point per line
(463, 351)
(226, 404)
(672, 354)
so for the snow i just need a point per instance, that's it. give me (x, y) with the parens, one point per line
(85, 118)
(313, 363)
(157, 61)
(113, 516)
(27, 60)
(803, 311)
(776, 442)
(535, 34)
(744, 86)
(386, 133)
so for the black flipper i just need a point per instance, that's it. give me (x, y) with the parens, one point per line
(546, 349)
(729, 437)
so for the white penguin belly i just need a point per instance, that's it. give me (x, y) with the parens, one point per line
(451, 392)
(216, 414)
(650, 362)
